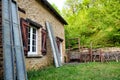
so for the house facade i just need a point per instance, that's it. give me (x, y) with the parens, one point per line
(36, 13)
(37, 48)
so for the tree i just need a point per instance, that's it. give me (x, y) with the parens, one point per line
(93, 20)
(56, 8)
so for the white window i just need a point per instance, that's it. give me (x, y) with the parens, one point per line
(32, 41)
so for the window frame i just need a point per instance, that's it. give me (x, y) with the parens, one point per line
(30, 51)
(25, 24)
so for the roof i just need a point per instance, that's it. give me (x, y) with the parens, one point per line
(57, 15)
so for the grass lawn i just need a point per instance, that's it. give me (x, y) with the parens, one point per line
(82, 71)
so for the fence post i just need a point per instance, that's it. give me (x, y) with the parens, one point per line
(101, 56)
(91, 51)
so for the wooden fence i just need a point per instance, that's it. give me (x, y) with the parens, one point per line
(92, 55)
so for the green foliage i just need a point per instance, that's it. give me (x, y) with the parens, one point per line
(96, 21)
(56, 8)
(83, 71)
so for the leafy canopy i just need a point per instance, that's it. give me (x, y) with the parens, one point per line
(96, 21)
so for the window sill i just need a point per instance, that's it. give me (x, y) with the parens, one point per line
(34, 56)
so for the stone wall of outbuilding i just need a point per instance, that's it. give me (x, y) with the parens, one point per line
(40, 14)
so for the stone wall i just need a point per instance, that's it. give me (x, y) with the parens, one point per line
(38, 63)
(100, 54)
(110, 49)
(40, 14)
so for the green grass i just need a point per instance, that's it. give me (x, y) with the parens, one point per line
(82, 71)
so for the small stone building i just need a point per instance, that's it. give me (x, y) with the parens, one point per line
(37, 48)
(35, 13)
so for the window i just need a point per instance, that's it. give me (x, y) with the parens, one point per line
(29, 36)
(32, 40)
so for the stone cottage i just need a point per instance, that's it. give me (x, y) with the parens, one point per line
(32, 15)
